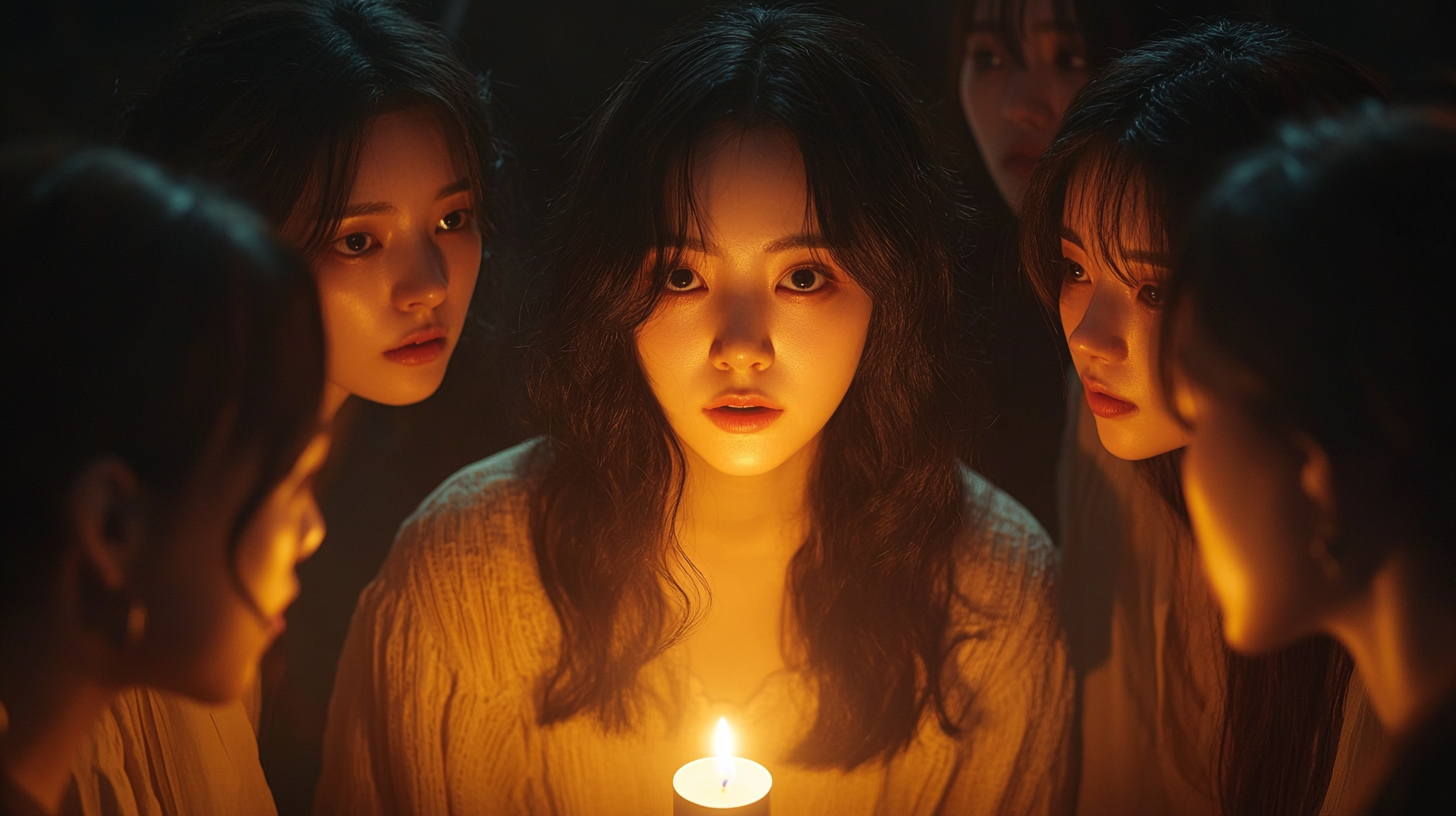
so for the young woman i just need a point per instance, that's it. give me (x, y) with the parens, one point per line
(1318, 465)
(160, 451)
(1166, 714)
(746, 502)
(1015, 66)
(355, 130)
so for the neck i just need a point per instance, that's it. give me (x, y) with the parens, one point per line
(731, 516)
(1402, 634)
(333, 400)
(52, 704)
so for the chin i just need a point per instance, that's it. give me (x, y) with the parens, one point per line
(1126, 439)
(402, 393)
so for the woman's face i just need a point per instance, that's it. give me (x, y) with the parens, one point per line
(1014, 109)
(759, 333)
(397, 279)
(1255, 499)
(1112, 327)
(203, 637)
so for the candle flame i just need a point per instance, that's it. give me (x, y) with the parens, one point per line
(723, 750)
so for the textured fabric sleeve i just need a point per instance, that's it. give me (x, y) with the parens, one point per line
(432, 711)
(1017, 717)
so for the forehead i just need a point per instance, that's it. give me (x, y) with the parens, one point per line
(402, 150)
(750, 181)
(1024, 15)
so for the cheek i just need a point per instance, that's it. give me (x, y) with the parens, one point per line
(981, 103)
(462, 259)
(350, 305)
(1063, 93)
(672, 346)
(825, 346)
(1072, 306)
(1243, 515)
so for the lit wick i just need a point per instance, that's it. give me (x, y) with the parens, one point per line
(723, 752)
(721, 785)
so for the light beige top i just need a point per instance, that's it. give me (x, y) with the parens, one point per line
(433, 709)
(155, 753)
(1133, 598)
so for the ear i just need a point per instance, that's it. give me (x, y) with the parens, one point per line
(106, 520)
(1317, 481)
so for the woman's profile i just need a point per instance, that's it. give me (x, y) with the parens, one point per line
(1167, 713)
(359, 134)
(158, 471)
(745, 502)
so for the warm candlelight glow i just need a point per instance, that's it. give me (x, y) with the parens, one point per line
(723, 751)
(721, 784)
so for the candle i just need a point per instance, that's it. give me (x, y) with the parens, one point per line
(721, 784)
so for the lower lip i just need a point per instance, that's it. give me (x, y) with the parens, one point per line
(743, 420)
(417, 353)
(276, 626)
(1109, 407)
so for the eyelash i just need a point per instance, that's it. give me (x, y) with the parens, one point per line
(339, 244)
(823, 280)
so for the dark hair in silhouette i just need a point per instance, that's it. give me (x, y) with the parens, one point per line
(179, 318)
(1325, 223)
(871, 586)
(1149, 135)
(274, 101)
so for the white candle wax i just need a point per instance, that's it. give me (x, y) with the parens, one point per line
(701, 783)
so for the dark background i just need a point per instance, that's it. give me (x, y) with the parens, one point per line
(70, 66)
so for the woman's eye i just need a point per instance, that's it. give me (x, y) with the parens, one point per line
(683, 279)
(1073, 271)
(1068, 59)
(985, 59)
(355, 243)
(455, 220)
(1151, 296)
(805, 280)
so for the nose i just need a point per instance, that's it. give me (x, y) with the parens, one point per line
(742, 342)
(1101, 333)
(311, 529)
(423, 278)
(1026, 102)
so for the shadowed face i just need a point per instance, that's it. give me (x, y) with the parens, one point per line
(1014, 106)
(759, 334)
(1256, 499)
(396, 281)
(213, 610)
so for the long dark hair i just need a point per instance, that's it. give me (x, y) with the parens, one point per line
(177, 317)
(1328, 217)
(274, 102)
(871, 586)
(1157, 126)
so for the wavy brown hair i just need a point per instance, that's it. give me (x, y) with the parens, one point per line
(870, 588)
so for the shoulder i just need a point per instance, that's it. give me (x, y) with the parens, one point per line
(470, 536)
(1005, 566)
(495, 484)
(1000, 533)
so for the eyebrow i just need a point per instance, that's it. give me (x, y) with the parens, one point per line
(378, 207)
(1141, 256)
(773, 247)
